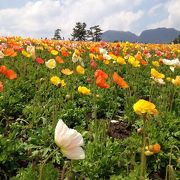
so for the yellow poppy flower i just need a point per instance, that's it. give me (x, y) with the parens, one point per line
(169, 79)
(155, 63)
(176, 81)
(106, 61)
(51, 64)
(156, 74)
(83, 90)
(121, 60)
(66, 71)
(92, 56)
(80, 69)
(54, 52)
(57, 81)
(26, 54)
(114, 57)
(63, 83)
(133, 61)
(144, 107)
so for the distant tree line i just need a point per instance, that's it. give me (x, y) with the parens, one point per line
(177, 40)
(80, 33)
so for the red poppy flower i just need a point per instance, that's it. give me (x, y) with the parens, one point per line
(93, 64)
(39, 60)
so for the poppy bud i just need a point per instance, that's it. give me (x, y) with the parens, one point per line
(68, 96)
(156, 148)
(148, 153)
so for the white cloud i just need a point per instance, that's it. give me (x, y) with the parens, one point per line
(173, 9)
(122, 20)
(155, 9)
(42, 17)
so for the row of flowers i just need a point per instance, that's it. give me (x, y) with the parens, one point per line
(136, 55)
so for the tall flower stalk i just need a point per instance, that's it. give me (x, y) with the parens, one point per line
(143, 156)
(170, 174)
(144, 108)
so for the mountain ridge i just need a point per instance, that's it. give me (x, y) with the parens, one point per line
(157, 35)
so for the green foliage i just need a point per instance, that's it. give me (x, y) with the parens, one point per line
(94, 33)
(177, 40)
(57, 34)
(79, 32)
(30, 107)
(104, 156)
(31, 173)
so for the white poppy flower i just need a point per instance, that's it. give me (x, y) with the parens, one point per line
(172, 68)
(160, 81)
(76, 58)
(70, 141)
(31, 50)
(102, 51)
(174, 62)
(106, 56)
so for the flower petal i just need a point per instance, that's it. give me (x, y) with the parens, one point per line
(60, 131)
(74, 153)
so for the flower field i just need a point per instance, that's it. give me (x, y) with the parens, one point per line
(89, 110)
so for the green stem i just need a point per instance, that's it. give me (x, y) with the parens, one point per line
(170, 160)
(171, 95)
(143, 157)
(63, 170)
(43, 163)
(94, 112)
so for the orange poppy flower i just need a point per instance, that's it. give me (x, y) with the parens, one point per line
(94, 50)
(10, 74)
(101, 73)
(1, 86)
(138, 57)
(101, 82)
(143, 62)
(119, 81)
(10, 52)
(59, 60)
(3, 69)
(65, 53)
(100, 57)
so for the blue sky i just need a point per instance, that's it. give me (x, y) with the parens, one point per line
(39, 18)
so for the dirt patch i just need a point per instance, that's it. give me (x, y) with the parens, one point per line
(156, 176)
(119, 129)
